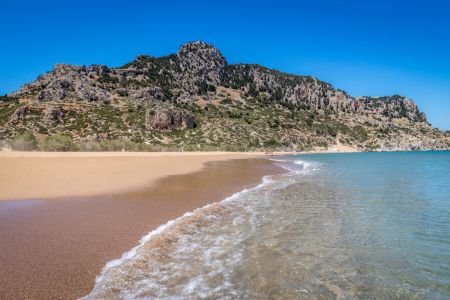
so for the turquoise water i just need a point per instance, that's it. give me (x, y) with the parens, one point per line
(395, 214)
(337, 226)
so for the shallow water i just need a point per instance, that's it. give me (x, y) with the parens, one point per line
(345, 226)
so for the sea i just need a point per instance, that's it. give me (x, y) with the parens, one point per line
(335, 226)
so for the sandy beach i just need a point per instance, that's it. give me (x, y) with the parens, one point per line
(64, 215)
(44, 175)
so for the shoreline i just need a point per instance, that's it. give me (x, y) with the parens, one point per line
(28, 175)
(53, 175)
(55, 249)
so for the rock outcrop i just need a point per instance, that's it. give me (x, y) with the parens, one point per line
(202, 67)
(232, 104)
(167, 119)
(54, 114)
(66, 83)
(309, 93)
(199, 69)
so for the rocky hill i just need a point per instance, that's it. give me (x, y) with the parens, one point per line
(195, 100)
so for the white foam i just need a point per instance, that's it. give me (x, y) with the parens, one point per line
(210, 256)
(297, 166)
(159, 230)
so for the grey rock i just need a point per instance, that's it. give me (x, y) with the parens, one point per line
(166, 119)
(65, 83)
(199, 69)
(201, 58)
(199, 72)
(20, 113)
(98, 70)
(54, 114)
(202, 67)
(150, 94)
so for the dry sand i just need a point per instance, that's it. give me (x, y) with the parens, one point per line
(54, 249)
(44, 175)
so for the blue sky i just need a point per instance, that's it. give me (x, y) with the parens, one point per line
(364, 47)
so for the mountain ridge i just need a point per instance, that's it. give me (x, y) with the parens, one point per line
(196, 86)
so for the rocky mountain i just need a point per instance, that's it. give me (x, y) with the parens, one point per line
(195, 100)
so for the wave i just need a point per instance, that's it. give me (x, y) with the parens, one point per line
(210, 236)
(296, 166)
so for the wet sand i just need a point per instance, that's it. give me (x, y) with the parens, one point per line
(54, 249)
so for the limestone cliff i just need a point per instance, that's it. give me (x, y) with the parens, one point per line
(195, 99)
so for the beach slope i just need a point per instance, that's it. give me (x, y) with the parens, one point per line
(44, 175)
(68, 214)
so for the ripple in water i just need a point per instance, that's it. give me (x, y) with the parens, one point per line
(352, 226)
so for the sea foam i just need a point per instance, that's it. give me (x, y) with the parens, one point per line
(360, 226)
(145, 270)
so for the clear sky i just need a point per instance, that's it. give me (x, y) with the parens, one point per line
(375, 47)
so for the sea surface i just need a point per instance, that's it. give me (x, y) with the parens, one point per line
(336, 226)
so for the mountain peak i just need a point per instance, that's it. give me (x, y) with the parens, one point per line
(197, 46)
(198, 56)
(237, 106)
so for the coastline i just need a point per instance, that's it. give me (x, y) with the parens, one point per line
(54, 249)
(29, 175)
(47, 175)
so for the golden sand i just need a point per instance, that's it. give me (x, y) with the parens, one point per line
(43, 175)
(54, 249)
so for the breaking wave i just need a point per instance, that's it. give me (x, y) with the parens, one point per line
(354, 226)
(196, 254)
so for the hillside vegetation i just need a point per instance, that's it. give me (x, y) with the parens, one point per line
(195, 100)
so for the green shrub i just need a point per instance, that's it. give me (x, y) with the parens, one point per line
(57, 142)
(360, 133)
(333, 131)
(24, 142)
(116, 145)
(271, 143)
(122, 145)
(226, 101)
(108, 79)
(7, 107)
(210, 107)
(234, 115)
(89, 146)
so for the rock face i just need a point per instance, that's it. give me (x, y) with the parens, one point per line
(234, 103)
(199, 69)
(54, 114)
(202, 67)
(20, 113)
(65, 83)
(202, 59)
(308, 93)
(167, 119)
(147, 94)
